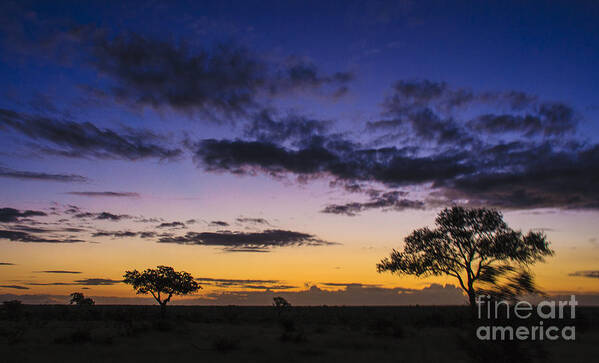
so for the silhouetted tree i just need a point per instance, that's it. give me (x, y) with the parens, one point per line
(280, 304)
(79, 299)
(162, 282)
(477, 248)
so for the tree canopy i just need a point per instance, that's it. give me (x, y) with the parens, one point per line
(476, 247)
(80, 299)
(162, 283)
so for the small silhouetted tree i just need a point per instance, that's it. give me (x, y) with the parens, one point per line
(280, 304)
(477, 248)
(162, 282)
(79, 299)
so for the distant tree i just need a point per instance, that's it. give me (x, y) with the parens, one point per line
(280, 302)
(477, 248)
(162, 282)
(79, 299)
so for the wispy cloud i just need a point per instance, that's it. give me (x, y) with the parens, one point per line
(30, 175)
(591, 274)
(75, 139)
(248, 241)
(16, 287)
(14, 215)
(18, 236)
(106, 194)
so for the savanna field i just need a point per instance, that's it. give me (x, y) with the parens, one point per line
(60, 333)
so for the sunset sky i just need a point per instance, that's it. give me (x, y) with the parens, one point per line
(286, 147)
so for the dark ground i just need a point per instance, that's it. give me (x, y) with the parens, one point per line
(59, 333)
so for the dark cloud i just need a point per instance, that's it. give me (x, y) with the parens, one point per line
(224, 79)
(440, 96)
(147, 234)
(72, 209)
(388, 201)
(115, 234)
(248, 241)
(14, 215)
(62, 229)
(18, 236)
(103, 216)
(175, 224)
(50, 283)
(159, 73)
(264, 126)
(337, 158)
(112, 217)
(6, 264)
(252, 220)
(59, 272)
(590, 274)
(219, 223)
(523, 176)
(550, 120)
(106, 194)
(298, 74)
(231, 282)
(245, 284)
(30, 175)
(148, 220)
(353, 284)
(524, 158)
(422, 111)
(82, 282)
(17, 287)
(269, 287)
(97, 282)
(74, 139)
(246, 249)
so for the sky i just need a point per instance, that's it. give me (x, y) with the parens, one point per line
(284, 148)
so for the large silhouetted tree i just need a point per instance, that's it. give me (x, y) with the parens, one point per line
(162, 282)
(477, 248)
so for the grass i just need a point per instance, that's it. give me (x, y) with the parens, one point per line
(260, 334)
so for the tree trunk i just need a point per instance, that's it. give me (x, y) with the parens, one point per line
(472, 301)
(162, 310)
